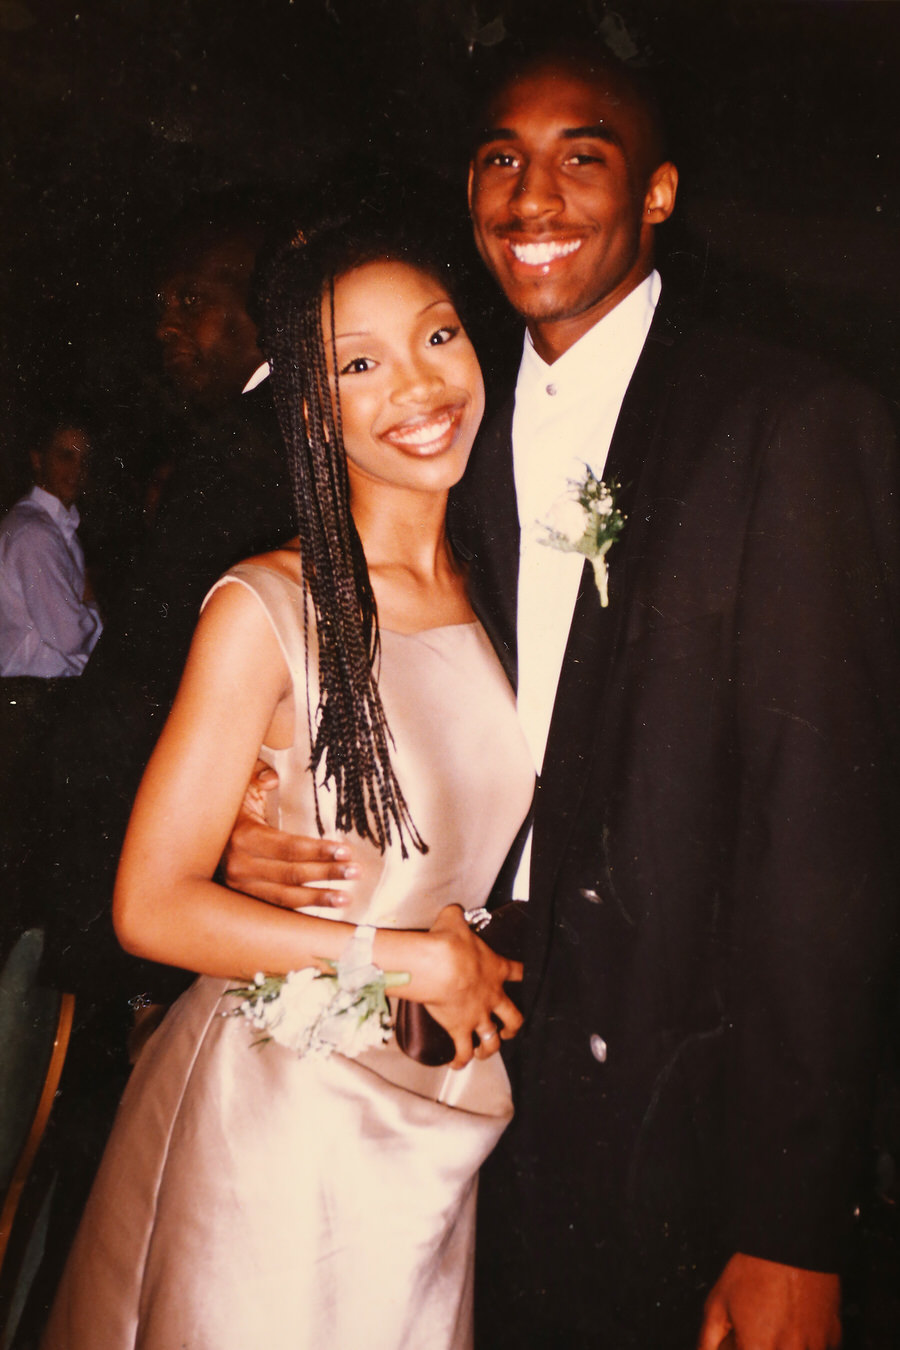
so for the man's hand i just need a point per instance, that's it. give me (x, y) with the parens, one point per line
(278, 867)
(762, 1305)
(468, 979)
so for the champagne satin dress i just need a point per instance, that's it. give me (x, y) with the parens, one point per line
(249, 1197)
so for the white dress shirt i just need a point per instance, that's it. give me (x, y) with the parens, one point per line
(260, 373)
(46, 628)
(564, 418)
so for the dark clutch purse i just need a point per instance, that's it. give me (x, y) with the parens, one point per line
(418, 1034)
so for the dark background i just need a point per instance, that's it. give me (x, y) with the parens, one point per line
(114, 112)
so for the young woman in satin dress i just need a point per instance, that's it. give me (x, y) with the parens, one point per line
(251, 1195)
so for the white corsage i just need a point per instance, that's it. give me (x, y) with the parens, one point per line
(586, 521)
(314, 1012)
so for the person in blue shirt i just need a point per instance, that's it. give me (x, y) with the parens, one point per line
(49, 623)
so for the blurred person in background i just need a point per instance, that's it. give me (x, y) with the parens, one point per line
(49, 622)
(223, 491)
(224, 496)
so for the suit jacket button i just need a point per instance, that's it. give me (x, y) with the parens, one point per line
(598, 1048)
(592, 896)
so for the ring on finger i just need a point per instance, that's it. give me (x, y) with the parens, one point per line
(485, 1036)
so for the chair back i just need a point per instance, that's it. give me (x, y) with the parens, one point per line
(35, 1024)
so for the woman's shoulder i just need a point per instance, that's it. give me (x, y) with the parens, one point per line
(283, 563)
(267, 574)
(275, 580)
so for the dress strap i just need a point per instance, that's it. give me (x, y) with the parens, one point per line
(282, 600)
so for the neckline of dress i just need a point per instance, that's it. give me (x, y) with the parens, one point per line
(395, 632)
(425, 632)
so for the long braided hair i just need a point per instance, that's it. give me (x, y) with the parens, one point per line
(349, 734)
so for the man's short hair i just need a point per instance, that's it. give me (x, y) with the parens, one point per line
(209, 221)
(587, 56)
(44, 423)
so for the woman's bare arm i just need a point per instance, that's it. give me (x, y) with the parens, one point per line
(168, 908)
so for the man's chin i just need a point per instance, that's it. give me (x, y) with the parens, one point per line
(185, 384)
(537, 297)
(180, 369)
(536, 306)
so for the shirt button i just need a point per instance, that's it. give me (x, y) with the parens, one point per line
(551, 390)
(598, 1048)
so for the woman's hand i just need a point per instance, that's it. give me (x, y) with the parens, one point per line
(467, 980)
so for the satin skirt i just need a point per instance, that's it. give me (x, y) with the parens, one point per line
(248, 1197)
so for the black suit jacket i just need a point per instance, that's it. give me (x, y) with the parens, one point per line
(713, 877)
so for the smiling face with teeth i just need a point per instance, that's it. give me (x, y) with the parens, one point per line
(565, 190)
(409, 382)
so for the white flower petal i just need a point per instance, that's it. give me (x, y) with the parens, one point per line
(568, 518)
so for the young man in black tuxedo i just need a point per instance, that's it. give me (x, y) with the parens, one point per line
(711, 874)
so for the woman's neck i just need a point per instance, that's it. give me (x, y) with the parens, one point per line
(399, 528)
(417, 581)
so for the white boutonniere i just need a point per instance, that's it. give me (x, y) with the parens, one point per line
(314, 1012)
(586, 521)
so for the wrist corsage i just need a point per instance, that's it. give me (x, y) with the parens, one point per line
(314, 1012)
(587, 521)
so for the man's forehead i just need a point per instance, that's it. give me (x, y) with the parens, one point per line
(225, 265)
(602, 130)
(70, 436)
(561, 100)
(63, 440)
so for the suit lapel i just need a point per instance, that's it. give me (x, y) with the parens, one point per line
(597, 634)
(484, 527)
